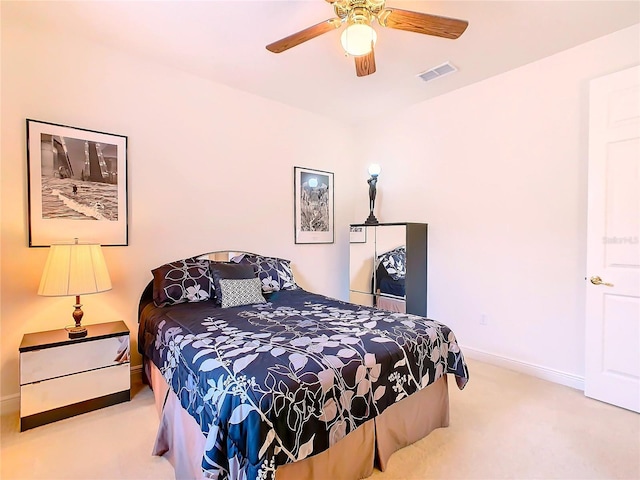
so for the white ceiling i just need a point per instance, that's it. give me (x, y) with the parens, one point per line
(225, 42)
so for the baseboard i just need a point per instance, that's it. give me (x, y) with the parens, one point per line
(537, 371)
(136, 374)
(11, 403)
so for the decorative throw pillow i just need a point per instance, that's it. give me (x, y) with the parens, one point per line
(228, 271)
(236, 292)
(395, 262)
(181, 281)
(274, 273)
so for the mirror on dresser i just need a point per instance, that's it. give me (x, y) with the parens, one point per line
(388, 266)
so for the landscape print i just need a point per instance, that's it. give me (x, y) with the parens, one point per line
(77, 185)
(79, 179)
(314, 203)
(313, 190)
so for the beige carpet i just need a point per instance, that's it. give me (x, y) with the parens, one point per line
(503, 425)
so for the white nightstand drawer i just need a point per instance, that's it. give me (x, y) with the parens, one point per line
(47, 363)
(63, 391)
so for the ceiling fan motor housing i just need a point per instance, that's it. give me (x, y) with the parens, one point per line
(358, 11)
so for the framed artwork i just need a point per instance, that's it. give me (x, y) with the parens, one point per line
(357, 234)
(313, 204)
(77, 183)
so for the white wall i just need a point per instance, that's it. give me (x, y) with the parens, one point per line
(498, 170)
(209, 168)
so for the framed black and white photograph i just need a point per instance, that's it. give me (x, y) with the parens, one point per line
(77, 185)
(357, 234)
(313, 202)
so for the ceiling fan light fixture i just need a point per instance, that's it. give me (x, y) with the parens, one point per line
(358, 38)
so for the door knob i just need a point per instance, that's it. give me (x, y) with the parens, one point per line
(598, 281)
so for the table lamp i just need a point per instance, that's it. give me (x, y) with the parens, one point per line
(374, 171)
(74, 269)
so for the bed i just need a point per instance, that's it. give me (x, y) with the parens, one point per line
(389, 278)
(256, 378)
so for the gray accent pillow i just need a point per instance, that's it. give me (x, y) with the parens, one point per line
(241, 292)
(229, 271)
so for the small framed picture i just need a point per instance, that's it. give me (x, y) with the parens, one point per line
(77, 182)
(313, 205)
(357, 234)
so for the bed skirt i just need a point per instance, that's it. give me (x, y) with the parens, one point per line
(181, 441)
(391, 304)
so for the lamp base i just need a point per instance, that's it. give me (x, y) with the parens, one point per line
(371, 220)
(77, 332)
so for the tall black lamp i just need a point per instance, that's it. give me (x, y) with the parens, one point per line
(374, 171)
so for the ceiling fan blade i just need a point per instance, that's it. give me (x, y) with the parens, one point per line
(304, 35)
(366, 64)
(422, 23)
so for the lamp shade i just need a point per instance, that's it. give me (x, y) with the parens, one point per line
(374, 169)
(74, 269)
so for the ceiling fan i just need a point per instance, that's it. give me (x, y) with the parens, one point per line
(358, 38)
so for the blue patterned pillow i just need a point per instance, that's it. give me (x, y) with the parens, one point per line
(274, 273)
(395, 262)
(236, 292)
(182, 281)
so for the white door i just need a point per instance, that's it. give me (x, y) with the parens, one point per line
(612, 366)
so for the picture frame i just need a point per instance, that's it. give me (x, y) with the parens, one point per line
(313, 205)
(77, 185)
(357, 234)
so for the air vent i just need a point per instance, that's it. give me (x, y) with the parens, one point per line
(436, 72)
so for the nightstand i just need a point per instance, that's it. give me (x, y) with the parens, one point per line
(62, 377)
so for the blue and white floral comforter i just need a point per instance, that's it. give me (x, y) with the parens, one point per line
(278, 382)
